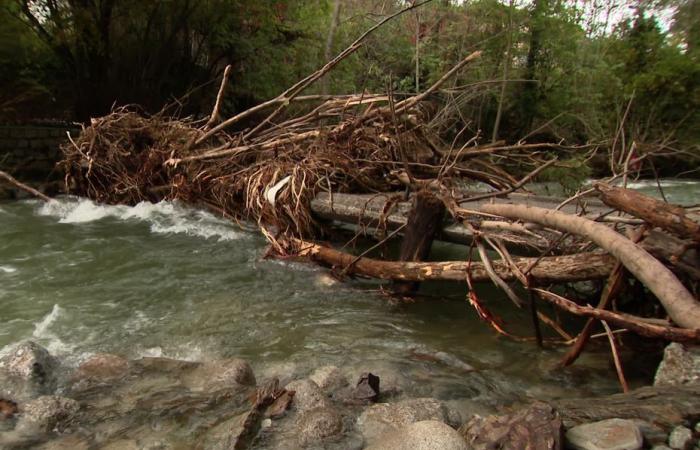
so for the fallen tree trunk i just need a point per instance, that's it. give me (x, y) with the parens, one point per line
(626, 321)
(551, 269)
(663, 406)
(659, 214)
(680, 304)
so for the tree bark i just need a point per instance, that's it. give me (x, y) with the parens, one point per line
(680, 304)
(659, 214)
(424, 221)
(622, 320)
(550, 269)
(663, 406)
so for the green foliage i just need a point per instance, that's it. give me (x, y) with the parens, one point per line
(570, 77)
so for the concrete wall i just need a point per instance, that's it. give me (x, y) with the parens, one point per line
(30, 153)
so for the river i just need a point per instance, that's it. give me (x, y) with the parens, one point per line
(165, 280)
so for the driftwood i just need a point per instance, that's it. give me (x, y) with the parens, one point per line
(678, 302)
(626, 321)
(551, 269)
(663, 406)
(10, 179)
(659, 214)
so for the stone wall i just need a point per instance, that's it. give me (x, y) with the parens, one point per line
(30, 153)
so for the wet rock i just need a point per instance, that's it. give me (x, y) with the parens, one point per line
(382, 418)
(307, 395)
(366, 390)
(220, 374)
(8, 409)
(66, 443)
(319, 424)
(102, 367)
(27, 372)
(537, 426)
(47, 413)
(681, 438)
(611, 434)
(680, 365)
(652, 433)
(329, 378)
(393, 382)
(661, 447)
(423, 435)
(122, 444)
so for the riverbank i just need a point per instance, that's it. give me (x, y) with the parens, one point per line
(111, 402)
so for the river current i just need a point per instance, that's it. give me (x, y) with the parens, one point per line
(166, 280)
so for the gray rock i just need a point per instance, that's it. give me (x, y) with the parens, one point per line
(423, 435)
(681, 438)
(537, 427)
(697, 428)
(393, 381)
(661, 447)
(66, 443)
(383, 418)
(319, 424)
(307, 395)
(47, 413)
(329, 378)
(27, 372)
(680, 365)
(610, 434)
(28, 360)
(220, 374)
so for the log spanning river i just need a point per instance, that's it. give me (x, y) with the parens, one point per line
(162, 280)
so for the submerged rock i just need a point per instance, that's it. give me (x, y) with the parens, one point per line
(423, 435)
(307, 395)
(537, 427)
(102, 367)
(47, 413)
(680, 365)
(382, 418)
(329, 378)
(319, 424)
(610, 434)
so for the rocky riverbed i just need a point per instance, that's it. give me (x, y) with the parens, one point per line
(109, 402)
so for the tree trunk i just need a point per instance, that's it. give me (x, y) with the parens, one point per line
(680, 304)
(424, 220)
(659, 214)
(549, 269)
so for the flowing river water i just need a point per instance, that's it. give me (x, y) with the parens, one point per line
(163, 280)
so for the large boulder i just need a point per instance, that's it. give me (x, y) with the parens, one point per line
(382, 418)
(424, 435)
(680, 365)
(47, 413)
(610, 434)
(329, 378)
(26, 372)
(307, 395)
(537, 426)
(220, 374)
(319, 424)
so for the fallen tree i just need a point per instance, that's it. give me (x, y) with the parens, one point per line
(680, 304)
(552, 269)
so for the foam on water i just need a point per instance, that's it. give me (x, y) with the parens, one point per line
(8, 269)
(163, 217)
(42, 332)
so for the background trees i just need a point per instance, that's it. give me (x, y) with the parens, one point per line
(572, 70)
